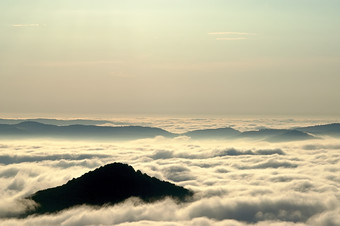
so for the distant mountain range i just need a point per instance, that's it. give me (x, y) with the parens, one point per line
(34, 129)
(57, 122)
(109, 184)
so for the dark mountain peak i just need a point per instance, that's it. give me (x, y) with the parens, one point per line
(117, 171)
(109, 184)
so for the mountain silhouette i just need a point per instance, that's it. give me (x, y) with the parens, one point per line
(290, 135)
(32, 129)
(277, 135)
(109, 184)
(57, 122)
(219, 133)
(271, 135)
(328, 129)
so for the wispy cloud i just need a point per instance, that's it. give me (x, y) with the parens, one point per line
(230, 39)
(232, 35)
(25, 25)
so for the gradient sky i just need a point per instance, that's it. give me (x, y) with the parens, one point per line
(170, 57)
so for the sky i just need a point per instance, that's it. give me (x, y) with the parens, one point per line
(170, 57)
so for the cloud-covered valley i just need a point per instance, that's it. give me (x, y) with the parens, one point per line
(235, 182)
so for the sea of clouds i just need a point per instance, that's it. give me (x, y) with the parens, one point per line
(235, 183)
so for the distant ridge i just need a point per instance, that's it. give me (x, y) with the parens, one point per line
(277, 135)
(270, 135)
(32, 129)
(109, 184)
(328, 129)
(57, 122)
(220, 133)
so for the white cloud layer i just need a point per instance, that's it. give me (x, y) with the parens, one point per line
(248, 183)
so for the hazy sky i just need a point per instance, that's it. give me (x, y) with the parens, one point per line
(170, 56)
